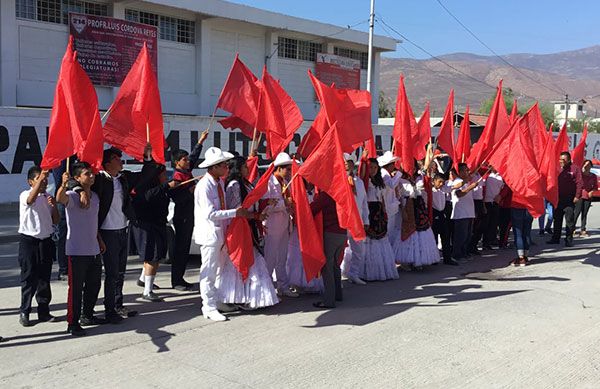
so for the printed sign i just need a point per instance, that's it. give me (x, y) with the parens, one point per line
(107, 47)
(343, 72)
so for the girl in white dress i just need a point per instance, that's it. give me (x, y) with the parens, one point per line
(258, 290)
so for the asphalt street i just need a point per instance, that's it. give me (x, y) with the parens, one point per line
(480, 325)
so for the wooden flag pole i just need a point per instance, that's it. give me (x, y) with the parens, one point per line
(147, 132)
(286, 186)
(188, 181)
(68, 163)
(253, 139)
(105, 114)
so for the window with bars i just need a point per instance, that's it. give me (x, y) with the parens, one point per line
(169, 28)
(57, 11)
(362, 56)
(298, 49)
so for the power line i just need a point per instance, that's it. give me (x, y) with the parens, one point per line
(562, 92)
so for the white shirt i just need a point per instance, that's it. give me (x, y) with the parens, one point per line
(361, 199)
(115, 218)
(278, 218)
(209, 218)
(493, 186)
(463, 207)
(389, 193)
(374, 193)
(438, 201)
(478, 191)
(35, 219)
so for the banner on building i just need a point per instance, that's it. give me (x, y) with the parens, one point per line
(344, 72)
(107, 47)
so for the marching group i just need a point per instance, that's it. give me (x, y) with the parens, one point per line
(408, 218)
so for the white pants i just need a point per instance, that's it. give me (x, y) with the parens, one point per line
(354, 258)
(276, 245)
(213, 258)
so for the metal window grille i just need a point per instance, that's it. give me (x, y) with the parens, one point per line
(185, 31)
(287, 48)
(168, 28)
(57, 11)
(362, 56)
(171, 29)
(26, 9)
(49, 11)
(307, 51)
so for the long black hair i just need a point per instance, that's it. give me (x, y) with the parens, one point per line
(235, 174)
(377, 180)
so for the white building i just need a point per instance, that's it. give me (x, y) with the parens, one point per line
(198, 40)
(575, 110)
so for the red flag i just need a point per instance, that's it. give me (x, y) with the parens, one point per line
(75, 126)
(533, 121)
(233, 122)
(577, 155)
(239, 236)
(252, 164)
(278, 115)
(350, 108)
(514, 114)
(445, 137)
(513, 158)
(370, 151)
(562, 141)
(136, 115)
(496, 126)
(240, 95)
(549, 169)
(404, 128)
(326, 169)
(311, 242)
(463, 145)
(423, 136)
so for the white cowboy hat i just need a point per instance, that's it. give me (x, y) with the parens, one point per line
(214, 156)
(386, 159)
(282, 159)
(350, 157)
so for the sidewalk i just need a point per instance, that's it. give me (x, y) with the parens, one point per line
(9, 223)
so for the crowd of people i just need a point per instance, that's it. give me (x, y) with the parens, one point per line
(440, 212)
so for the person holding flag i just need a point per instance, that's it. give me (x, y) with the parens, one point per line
(589, 186)
(570, 186)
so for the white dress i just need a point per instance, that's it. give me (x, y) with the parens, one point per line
(379, 263)
(295, 268)
(420, 248)
(258, 290)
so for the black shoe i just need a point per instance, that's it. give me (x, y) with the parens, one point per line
(62, 277)
(182, 288)
(549, 231)
(451, 262)
(142, 284)
(568, 243)
(124, 312)
(46, 317)
(553, 241)
(541, 233)
(152, 297)
(114, 318)
(24, 320)
(488, 248)
(92, 321)
(475, 252)
(75, 330)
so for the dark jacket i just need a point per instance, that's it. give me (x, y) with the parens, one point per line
(104, 188)
(151, 200)
(182, 196)
(570, 183)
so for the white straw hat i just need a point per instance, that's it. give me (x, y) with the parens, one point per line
(214, 156)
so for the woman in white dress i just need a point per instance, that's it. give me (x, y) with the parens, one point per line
(379, 263)
(258, 290)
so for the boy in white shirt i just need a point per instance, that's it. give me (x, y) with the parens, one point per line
(37, 214)
(440, 225)
(463, 212)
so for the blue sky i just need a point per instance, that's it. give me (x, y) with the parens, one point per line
(509, 26)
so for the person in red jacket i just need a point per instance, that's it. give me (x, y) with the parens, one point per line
(590, 185)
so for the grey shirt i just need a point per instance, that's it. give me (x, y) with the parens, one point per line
(82, 224)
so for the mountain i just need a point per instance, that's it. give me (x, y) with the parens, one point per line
(542, 77)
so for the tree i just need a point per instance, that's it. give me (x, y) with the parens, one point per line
(385, 106)
(509, 97)
(577, 125)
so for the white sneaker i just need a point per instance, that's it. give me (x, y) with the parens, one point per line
(356, 280)
(214, 316)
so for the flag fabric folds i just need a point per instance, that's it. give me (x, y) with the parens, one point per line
(463, 144)
(326, 169)
(423, 134)
(445, 138)
(578, 153)
(136, 114)
(75, 126)
(404, 127)
(311, 241)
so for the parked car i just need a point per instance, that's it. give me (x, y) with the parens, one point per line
(596, 171)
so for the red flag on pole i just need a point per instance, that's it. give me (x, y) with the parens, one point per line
(252, 164)
(423, 136)
(496, 126)
(578, 153)
(311, 241)
(239, 236)
(326, 169)
(278, 115)
(232, 122)
(75, 126)
(562, 141)
(445, 138)
(136, 115)
(534, 122)
(514, 114)
(404, 128)
(463, 145)
(549, 169)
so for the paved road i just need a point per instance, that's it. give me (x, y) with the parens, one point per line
(482, 324)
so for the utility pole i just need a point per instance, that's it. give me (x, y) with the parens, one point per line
(567, 110)
(370, 57)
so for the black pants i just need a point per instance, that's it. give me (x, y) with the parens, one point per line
(441, 228)
(461, 239)
(504, 215)
(184, 227)
(582, 208)
(85, 279)
(333, 245)
(566, 209)
(35, 259)
(61, 257)
(477, 224)
(115, 263)
(490, 224)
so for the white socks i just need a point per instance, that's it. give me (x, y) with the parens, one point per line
(142, 275)
(148, 281)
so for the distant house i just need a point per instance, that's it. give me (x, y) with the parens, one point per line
(575, 110)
